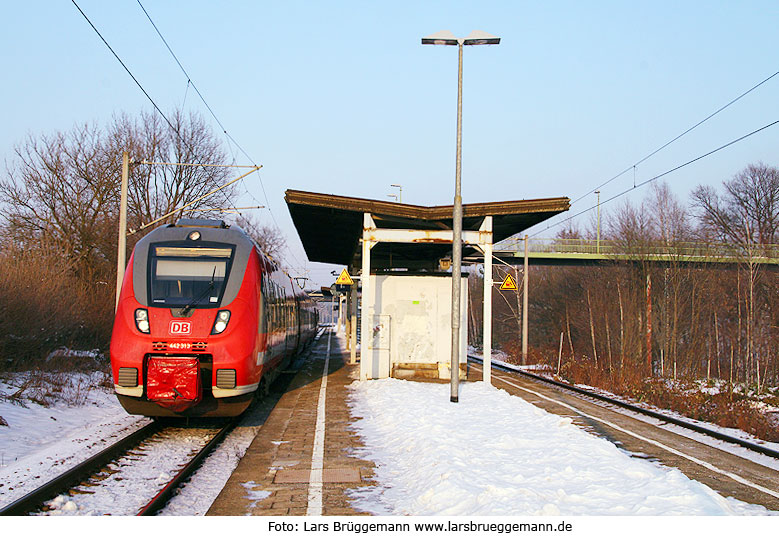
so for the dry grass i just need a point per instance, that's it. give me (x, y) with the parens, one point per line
(43, 307)
(47, 388)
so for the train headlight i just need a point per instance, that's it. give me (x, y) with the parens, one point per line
(142, 320)
(222, 318)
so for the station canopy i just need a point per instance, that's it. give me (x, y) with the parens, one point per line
(330, 227)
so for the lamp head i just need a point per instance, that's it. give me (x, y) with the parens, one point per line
(476, 37)
(444, 37)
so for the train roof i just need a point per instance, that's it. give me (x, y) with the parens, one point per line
(200, 222)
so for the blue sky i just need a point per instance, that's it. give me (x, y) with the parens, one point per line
(341, 97)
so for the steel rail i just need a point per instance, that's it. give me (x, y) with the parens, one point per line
(651, 413)
(162, 497)
(35, 499)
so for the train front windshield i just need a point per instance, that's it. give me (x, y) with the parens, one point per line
(181, 276)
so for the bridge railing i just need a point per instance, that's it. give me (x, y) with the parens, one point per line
(620, 248)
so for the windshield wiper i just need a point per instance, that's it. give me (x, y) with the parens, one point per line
(189, 306)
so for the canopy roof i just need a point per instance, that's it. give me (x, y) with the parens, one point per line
(330, 226)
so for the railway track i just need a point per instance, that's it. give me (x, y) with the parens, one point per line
(35, 499)
(751, 446)
(127, 454)
(123, 457)
(732, 466)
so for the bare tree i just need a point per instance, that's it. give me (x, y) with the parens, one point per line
(156, 190)
(270, 239)
(747, 212)
(65, 186)
(671, 227)
(668, 216)
(58, 224)
(747, 215)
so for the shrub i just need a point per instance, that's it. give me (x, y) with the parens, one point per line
(43, 307)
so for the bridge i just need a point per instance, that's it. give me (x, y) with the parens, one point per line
(542, 251)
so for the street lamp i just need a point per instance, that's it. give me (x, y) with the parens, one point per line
(447, 38)
(400, 193)
(597, 247)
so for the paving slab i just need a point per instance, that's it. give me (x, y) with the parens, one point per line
(275, 477)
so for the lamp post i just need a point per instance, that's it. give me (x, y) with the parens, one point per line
(598, 232)
(400, 193)
(447, 38)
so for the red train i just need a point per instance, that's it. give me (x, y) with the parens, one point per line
(204, 322)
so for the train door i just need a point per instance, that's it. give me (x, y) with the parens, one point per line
(293, 322)
(262, 323)
(276, 327)
(299, 320)
(288, 339)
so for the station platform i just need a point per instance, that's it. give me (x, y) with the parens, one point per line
(301, 462)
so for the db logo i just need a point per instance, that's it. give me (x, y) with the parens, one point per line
(180, 328)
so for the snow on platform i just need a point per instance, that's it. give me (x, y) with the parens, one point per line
(495, 454)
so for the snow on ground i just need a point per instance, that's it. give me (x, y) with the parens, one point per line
(41, 442)
(195, 497)
(735, 449)
(132, 480)
(495, 454)
(507, 457)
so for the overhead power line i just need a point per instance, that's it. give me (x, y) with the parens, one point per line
(190, 82)
(639, 185)
(653, 153)
(146, 93)
(157, 108)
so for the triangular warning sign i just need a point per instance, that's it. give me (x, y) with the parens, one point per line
(344, 279)
(508, 284)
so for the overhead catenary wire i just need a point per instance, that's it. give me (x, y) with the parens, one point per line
(667, 172)
(167, 120)
(230, 139)
(653, 153)
(137, 82)
(190, 82)
(197, 164)
(144, 226)
(146, 93)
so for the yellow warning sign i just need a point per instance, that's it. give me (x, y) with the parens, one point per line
(344, 279)
(508, 284)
